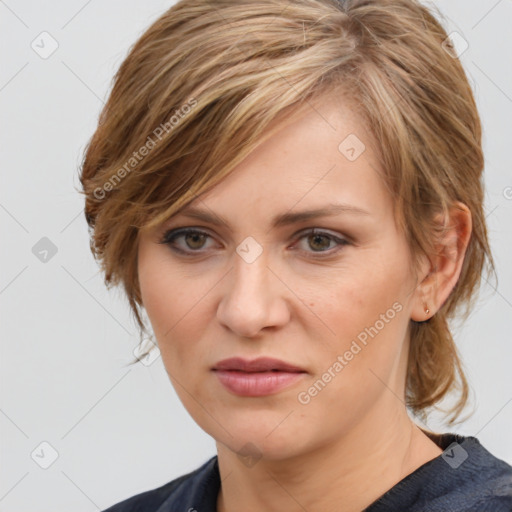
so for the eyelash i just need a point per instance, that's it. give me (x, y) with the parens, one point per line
(172, 235)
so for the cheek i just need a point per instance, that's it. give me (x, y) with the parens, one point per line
(164, 299)
(365, 313)
(349, 303)
(164, 294)
(175, 309)
(358, 363)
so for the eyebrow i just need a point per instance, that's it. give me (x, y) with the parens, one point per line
(281, 220)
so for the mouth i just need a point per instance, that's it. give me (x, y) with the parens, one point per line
(260, 377)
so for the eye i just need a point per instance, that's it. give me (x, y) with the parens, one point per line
(194, 240)
(320, 242)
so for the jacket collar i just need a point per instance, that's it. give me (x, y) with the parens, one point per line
(196, 493)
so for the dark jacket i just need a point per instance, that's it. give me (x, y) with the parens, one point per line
(464, 478)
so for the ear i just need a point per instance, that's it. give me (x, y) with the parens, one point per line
(442, 271)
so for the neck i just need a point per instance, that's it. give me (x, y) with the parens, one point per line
(346, 475)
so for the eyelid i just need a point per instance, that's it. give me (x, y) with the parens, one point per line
(173, 233)
(166, 231)
(321, 231)
(340, 240)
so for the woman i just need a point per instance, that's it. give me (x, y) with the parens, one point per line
(291, 191)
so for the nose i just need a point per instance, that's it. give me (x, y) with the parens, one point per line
(254, 298)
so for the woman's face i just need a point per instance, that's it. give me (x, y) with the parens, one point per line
(335, 304)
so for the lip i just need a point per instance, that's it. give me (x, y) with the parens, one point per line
(261, 364)
(259, 377)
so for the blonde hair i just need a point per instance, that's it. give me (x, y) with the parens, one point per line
(201, 85)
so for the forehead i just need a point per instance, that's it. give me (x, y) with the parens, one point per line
(323, 157)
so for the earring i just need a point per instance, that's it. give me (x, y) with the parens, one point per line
(427, 311)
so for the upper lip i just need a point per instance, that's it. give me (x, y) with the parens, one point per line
(261, 364)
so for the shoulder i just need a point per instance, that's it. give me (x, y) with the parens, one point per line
(190, 487)
(477, 476)
(466, 477)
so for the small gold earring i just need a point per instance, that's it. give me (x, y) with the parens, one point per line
(427, 311)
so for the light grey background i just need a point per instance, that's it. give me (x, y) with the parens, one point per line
(121, 430)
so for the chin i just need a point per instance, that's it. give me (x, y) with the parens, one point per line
(261, 436)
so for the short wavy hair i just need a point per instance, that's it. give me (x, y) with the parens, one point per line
(198, 89)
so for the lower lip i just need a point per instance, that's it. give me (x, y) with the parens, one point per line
(257, 383)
